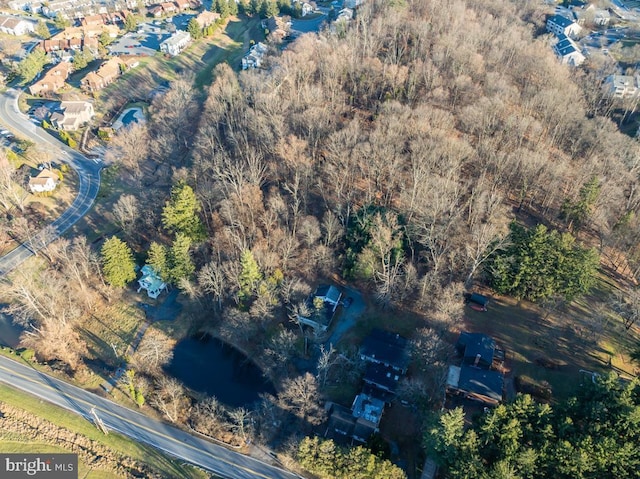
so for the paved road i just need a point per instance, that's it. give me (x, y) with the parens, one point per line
(88, 173)
(214, 458)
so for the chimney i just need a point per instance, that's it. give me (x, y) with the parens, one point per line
(477, 361)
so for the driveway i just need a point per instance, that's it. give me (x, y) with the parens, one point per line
(347, 317)
(88, 172)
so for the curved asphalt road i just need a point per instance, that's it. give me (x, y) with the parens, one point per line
(214, 458)
(88, 173)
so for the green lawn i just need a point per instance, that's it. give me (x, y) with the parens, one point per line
(84, 471)
(114, 441)
(574, 337)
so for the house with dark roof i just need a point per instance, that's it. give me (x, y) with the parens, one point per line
(322, 305)
(476, 377)
(382, 377)
(559, 25)
(476, 349)
(474, 383)
(388, 349)
(568, 51)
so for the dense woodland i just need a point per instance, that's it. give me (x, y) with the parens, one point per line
(395, 153)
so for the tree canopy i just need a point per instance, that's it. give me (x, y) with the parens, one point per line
(591, 436)
(118, 265)
(329, 461)
(538, 263)
(180, 214)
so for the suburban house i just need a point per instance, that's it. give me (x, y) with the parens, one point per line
(622, 86)
(52, 80)
(106, 74)
(307, 9)
(597, 16)
(183, 5)
(169, 7)
(15, 25)
(45, 181)
(356, 424)
(479, 350)
(387, 349)
(92, 21)
(50, 46)
(277, 28)
(477, 377)
(384, 378)
(559, 25)
(71, 115)
(253, 59)
(156, 11)
(207, 18)
(322, 306)
(387, 358)
(151, 282)
(176, 43)
(353, 3)
(568, 51)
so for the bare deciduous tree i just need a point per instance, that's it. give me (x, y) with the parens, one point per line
(154, 351)
(300, 395)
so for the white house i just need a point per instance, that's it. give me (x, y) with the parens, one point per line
(16, 25)
(253, 59)
(622, 86)
(46, 181)
(559, 25)
(71, 115)
(176, 43)
(568, 51)
(151, 282)
(322, 307)
(307, 9)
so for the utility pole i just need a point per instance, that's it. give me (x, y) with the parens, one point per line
(98, 422)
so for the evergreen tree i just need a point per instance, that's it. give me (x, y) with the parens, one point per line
(61, 23)
(131, 23)
(118, 265)
(539, 263)
(180, 214)
(31, 65)
(194, 29)
(250, 275)
(233, 8)
(157, 259)
(42, 30)
(577, 213)
(268, 8)
(180, 263)
(82, 58)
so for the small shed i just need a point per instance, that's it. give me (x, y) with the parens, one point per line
(478, 301)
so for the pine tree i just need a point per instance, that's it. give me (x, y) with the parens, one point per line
(250, 275)
(180, 263)
(233, 7)
(118, 265)
(157, 259)
(130, 23)
(43, 30)
(180, 214)
(194, 29)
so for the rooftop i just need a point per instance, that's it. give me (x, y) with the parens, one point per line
(387, 348)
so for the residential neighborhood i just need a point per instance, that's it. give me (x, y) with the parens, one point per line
(328, 239)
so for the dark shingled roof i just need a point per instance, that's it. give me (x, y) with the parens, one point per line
(386, 348)
(482, 382)
(472, 345)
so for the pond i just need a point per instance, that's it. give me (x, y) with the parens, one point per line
(214, 368)
(9, 332)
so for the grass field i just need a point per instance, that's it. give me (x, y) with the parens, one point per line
(581, 335)
(84, 470)
(113, 441)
